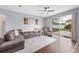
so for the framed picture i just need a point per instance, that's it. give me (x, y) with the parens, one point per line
(36, 21)
(25, 20)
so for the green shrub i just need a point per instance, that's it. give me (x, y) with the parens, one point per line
(68, 27)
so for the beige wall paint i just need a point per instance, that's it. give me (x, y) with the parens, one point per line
(2, 26)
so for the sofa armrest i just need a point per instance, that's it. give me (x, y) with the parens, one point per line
(12, 46)
(18, 41)
(12, 42)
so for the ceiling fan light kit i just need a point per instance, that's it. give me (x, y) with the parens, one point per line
(20, 5)
(46, 10)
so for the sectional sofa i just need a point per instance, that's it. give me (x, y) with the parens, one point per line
(11, 42)
(14, 40)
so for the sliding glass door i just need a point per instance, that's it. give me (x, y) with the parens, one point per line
(65, 26)
(61, 27)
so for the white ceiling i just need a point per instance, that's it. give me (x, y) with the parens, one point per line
(34, 9)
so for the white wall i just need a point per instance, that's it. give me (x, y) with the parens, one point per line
(15, 20)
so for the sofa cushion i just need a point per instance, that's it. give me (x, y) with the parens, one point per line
(20, 31)
(26, 35)
(31, 34)
(1, 40)
(19, 37)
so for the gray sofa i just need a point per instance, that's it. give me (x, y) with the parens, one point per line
(11, 44)
(31, 34)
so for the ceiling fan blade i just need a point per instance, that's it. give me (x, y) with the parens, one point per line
(50, 10)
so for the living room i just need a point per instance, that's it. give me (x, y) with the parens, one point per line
(22, 25)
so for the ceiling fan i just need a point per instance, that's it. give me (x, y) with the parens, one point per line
(46, 10)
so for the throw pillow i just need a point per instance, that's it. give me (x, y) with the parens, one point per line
(9, 36)
(16, 32)
(20, 32)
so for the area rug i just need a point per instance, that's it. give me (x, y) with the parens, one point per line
(36, 43)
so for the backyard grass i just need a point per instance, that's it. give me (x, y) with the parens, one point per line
(56, 30)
